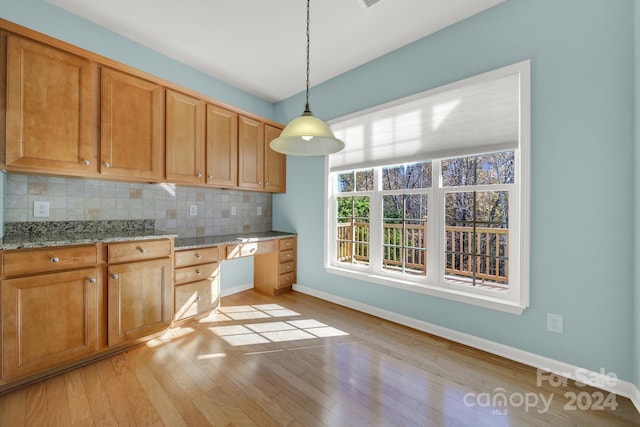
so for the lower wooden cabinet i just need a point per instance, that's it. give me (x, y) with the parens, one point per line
(275, 273)
(140, 296)
(48, 320)
(197, 283)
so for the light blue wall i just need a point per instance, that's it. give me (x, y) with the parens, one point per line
(51, 20)
(582, 188)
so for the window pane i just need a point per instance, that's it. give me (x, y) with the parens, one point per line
(414, 175)
(353, 230)
(483, 169)
(477, 238)
(345, 182)
(364, 180)
(496, 168)
(404, 237)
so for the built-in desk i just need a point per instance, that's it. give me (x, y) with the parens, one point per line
(197, 274)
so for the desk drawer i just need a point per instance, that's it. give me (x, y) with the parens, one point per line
(139, 250)
(250, 248)
(196, 272)
(50, 259)
(286, 267)
(286, 243)
(285, 280)
(197, 256)
(288, 255)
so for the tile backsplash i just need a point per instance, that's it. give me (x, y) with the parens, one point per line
(77, 199)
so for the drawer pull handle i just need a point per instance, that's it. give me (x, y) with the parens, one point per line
(92, 280)
(141, 249)
(210, 176)
(55, 259)
(198, 272)
(199, 175)
(198, 256)
(115, 276)
(86, 162)
(107, 165)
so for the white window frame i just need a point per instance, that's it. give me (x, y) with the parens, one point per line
(516, 299)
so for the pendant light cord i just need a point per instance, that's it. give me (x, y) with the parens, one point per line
(306, 108)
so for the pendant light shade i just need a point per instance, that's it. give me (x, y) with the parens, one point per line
(307, 135)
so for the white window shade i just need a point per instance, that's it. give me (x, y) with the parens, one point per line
(477, 115)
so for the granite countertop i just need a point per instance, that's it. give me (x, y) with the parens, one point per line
(204, 241)
(65, 233)
(78, 238)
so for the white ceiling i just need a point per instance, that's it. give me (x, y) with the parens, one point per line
(260, 45)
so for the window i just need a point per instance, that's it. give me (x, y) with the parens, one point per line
(431, 192)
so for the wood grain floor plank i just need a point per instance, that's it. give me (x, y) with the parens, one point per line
(57, 401)
(14, 408)
(99, 404)
(79, 408)
(36, 409)
(160, 400)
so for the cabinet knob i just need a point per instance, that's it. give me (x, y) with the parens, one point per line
(86, 162)
(260, 182)
(199, 175)
(92, 280)
(107, 165)
(115, 276)
(210, 176)
(267, 183)
(198, 272)
(198, 298)
(55, 259)
(198, 256)
(141, 249)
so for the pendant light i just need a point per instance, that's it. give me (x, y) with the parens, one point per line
(307, 135)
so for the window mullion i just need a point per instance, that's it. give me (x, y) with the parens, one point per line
(375, 218)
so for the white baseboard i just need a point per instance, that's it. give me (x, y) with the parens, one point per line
(596, 379)
(234, 290)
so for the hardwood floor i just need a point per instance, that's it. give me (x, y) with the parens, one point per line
(298, 361)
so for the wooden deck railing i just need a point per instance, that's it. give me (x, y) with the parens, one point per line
(490, 264)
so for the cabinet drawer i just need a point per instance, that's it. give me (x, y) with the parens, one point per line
(286, 267)
(50, 259)
(138, 250)
(284, 244)
(197, 256)
(288, 255)
(196, 272)
(249, 249)
(285, 280)
(196, 298)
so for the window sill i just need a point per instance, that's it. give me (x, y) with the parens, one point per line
(436, 291)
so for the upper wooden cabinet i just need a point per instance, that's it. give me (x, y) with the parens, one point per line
(185, 127)
(250, 153)
(275, 164)
(48, 109)
(222, 147)
(132, 127)
(66, 111)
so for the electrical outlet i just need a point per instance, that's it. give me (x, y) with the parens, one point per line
(259, 211)
(233, 210)
(555, 323)
(41, 209)
(193, 210)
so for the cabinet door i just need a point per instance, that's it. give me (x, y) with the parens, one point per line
(48, 109)
(48, 320)
(140, 296)
(132, 127)
(222, 147)
(250, 153)
(275, 164)
(185, 138)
